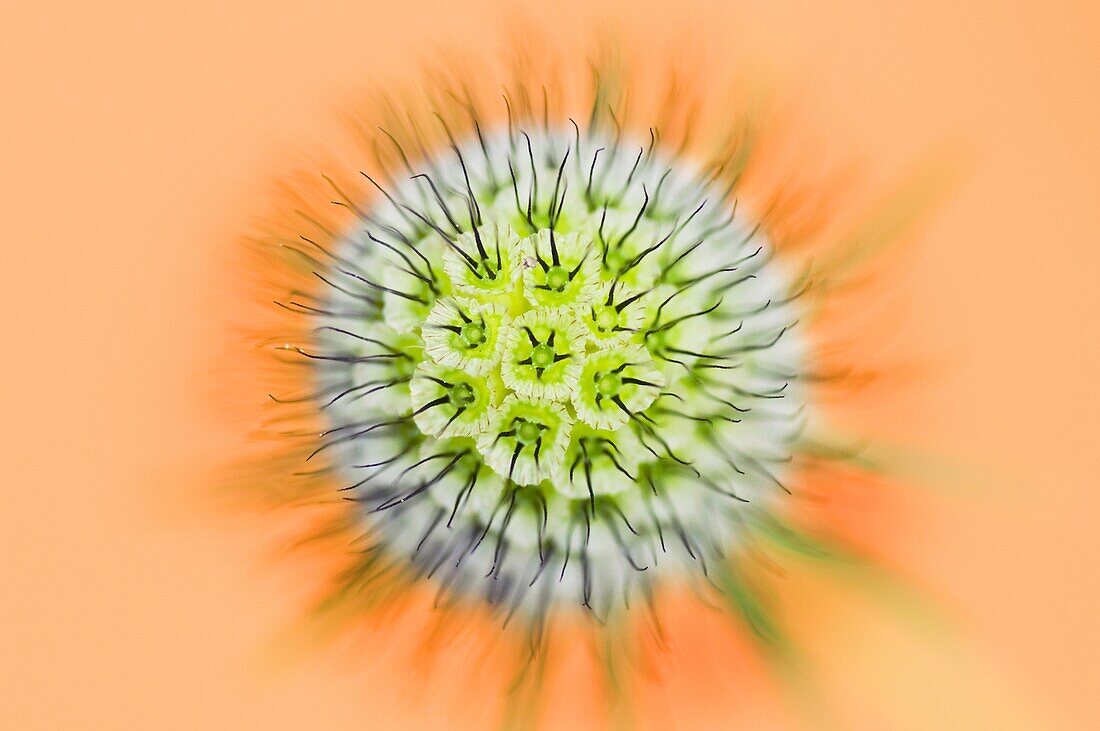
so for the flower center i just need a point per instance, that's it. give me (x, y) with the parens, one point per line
(609, 384)
(615, 261)
(527, 432)
(472, 334)
(606, 318)
(461, 395)
(556, 278)
(542, 356)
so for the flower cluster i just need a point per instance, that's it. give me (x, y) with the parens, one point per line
(532, 356)
(565, 349)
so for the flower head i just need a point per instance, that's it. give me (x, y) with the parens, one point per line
(580, 330)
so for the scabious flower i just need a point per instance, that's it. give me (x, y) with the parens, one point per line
(556, 363)
(563, 366)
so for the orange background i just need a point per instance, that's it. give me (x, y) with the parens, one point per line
(139, 139)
